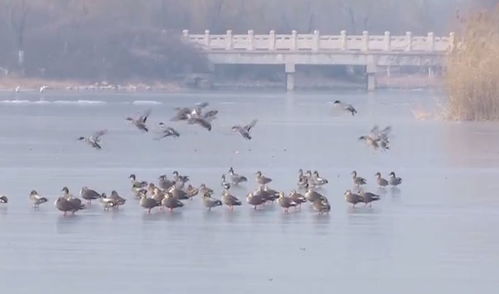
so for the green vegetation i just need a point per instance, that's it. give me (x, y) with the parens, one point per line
(473, 69)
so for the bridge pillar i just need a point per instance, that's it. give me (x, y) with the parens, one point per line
(343, 40)
(272, 40)
(371, 73)
(251, 40)
(290, 70)
(293, 40)
(408, 37)
(207, 38)
(365, 41)
(317, 39)
(387, 41)
(228, 40)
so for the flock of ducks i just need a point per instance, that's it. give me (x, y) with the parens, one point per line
(195, 115)
(170, 194)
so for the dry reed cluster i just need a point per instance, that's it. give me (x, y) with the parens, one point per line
(473, 69)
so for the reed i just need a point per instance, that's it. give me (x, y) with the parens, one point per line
(473, 69)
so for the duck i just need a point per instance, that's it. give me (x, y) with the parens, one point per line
(224, 183)
(261, 179)
(178, 193)
(317, 180)
(179, 179)
(107, 202)
(4, 199)
(312, 195)
(89, 194)
(171, 202)
(166, 131)
(346, 107)
(353, 198)
(297, 197)
(156, 193)
(148, 203)
(72, 205)
(137, 184)
(191, 191)
(164, 182)
(210, 202)
(270, 194)
(230, 200)
(286, 202)
(195, 120)
(244, 131)
(369, 197)
(140, 122)
(68, 202)
(36, 199)
(302, 180)
(94, 140)
(236, 179)
(358, 181)
(394, 180)
(255, 200)
(322, 205)
(117, 198)
(380, 180)
(203, 189)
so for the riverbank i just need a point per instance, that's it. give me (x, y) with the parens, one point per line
(207, 82)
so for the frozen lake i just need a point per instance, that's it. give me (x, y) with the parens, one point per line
(437, 233)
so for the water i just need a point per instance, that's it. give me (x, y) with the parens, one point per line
(436, 233)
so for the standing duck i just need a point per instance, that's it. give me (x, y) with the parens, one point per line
(245, 130)
(68, 202)
(191, 191)
(178, 193)
(380, 180)
(179, 179)
(297, 197)
(4, 199)
(89, 194)
(203, 189)
(36, 199)
(255, 200)
(148, 203)
(171, 202)
(394, 180)
(230, 200)
(164, 183)
(369, 197)
(358, 181)
(261, 179)
(236, 179)
(317, 180)
(210, 202)
(224, 183)
(140, 122)
(286, 202)
(137, 184)
(353, 198)
(312, 195)
(107, 202)
(302, 180)
(118, 200)
(322, 205)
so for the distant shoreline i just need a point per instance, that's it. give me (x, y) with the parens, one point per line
(413, 81)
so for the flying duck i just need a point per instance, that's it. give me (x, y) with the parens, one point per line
(245, 130)
(140, 122)
(94, 140)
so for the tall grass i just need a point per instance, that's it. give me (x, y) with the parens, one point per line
(473, 69)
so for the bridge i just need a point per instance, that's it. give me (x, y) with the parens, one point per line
(374, 52)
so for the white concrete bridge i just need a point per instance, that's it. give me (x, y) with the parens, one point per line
(375, 52)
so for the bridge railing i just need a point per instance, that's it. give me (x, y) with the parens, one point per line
(316, 42)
